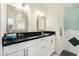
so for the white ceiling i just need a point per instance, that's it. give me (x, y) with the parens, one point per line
(64, 5)
(70, 5)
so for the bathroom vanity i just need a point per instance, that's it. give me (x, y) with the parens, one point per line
(20, 41)
(30, 44)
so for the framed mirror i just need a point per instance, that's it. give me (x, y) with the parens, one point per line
(41, 23)
(17, 20)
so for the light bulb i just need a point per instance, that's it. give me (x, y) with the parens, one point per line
(42, 14)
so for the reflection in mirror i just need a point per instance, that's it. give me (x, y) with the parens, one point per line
(41, 23)
(17, 20)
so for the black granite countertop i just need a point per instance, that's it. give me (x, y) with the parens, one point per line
(31, 36)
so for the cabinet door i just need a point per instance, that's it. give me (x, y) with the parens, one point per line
(31, 51)
(52, 45)
(0, 47)
(43, 49)
(19, 53)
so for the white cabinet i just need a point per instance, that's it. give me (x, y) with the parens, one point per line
(43, 46)
(43, 49)
(52, 44)
(39, 47)
(12, 49)
(0, 50)
(17, 53)
(31, 51)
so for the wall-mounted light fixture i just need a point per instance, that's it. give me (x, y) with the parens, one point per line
(38, 12)
(19, 15)
(42, 14)
(25, 7)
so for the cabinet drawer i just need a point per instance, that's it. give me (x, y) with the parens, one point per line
(17, 53)
(18, 46)
(31, 51)
(44, 39)
(43, 49)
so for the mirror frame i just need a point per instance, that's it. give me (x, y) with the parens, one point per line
(38, 24)
(19, 10)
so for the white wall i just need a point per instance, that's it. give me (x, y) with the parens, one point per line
(3, 19)
(32, 19)
(32, 22)
(54, 22)
(0, 30)
(60, 25)
(2, 23)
